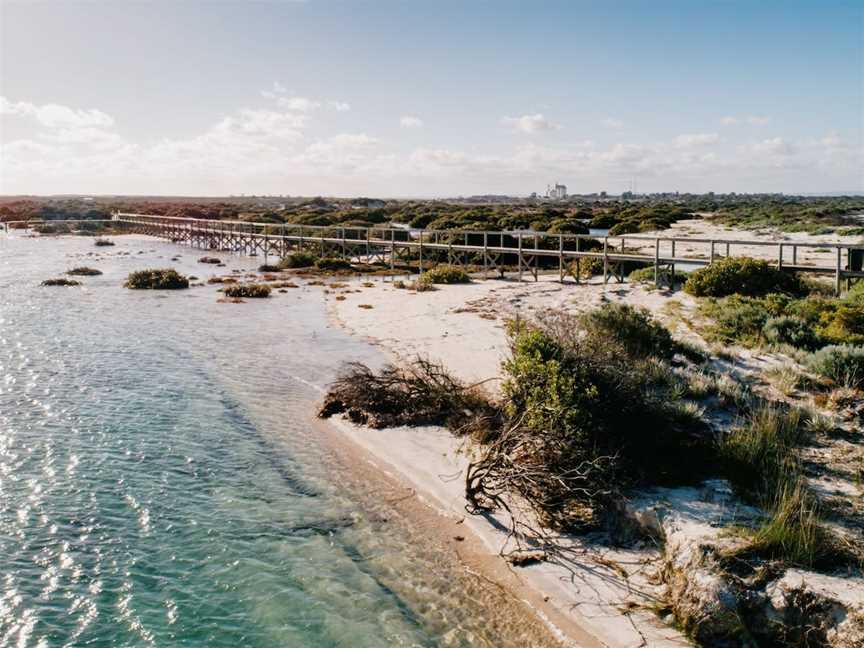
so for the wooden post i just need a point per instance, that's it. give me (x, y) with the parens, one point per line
(672, 268)
(712, 253)
(780, 258)
(421, 252)
(605, 259)
(485, 255)
(561, 258)
(794, 255)
(392, 249)
(520, 255)
(656, 262)
(837, 275)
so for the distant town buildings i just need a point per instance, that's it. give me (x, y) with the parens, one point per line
(556, 191)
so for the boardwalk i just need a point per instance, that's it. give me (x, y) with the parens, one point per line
(502, 252)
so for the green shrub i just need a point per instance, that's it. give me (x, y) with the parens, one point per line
(61, 282)
(332, 263)
(646, 275)
(741, 276)
(842, 363)
(445, 274)
(247, 290)
(625, 227)
(583, 427)
(84, 271)
(267, 267)
(843, 325)
(162, 279)
(634, 329)
(298, 260)
(736, 319)
(786, 329)
(563, 226)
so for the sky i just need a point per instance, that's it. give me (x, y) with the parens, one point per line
(430, 98)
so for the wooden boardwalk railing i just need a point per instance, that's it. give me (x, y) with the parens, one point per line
(499, 251)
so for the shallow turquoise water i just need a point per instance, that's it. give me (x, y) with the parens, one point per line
(160, 484)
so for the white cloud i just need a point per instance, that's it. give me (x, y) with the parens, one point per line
(276, 90)
(758, 120)
(339, 106)
(409, 121)
(253, 149)
(57, 116)
(611, 122)
(696, 139)
(530, 123)
(301, 104)
(752, 120)
(773, 146)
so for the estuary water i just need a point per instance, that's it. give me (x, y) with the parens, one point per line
(161, 484)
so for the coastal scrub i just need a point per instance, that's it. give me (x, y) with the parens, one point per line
(159, 279)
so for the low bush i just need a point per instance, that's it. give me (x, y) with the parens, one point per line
(161, 279)
(634, 329)
(736, 319)
(421, 393)
(298, 260)
(844, 324)
(332, 263)
(103, 243)
(61, 282)
(583, 425)
(267, 267)
(209, 259)
(445, 274)
(646, 275)
(741, 276)
(794, 331)
(842, 363)
(251, 290)
(84, 271)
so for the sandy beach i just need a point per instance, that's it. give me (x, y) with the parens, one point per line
(596, 596)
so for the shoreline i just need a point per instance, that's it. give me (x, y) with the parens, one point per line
(450, 533)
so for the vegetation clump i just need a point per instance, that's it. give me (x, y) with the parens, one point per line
(422, 393)
(250, 290)
(842, 363)
(444, 274)
(332, 264)
(159, 279)
(634, 329)
(84, 271)
(298, 260)
(209, 259)
(61, 282)
(791, 330)
(268, 267)
(741, 276)
(103, 243)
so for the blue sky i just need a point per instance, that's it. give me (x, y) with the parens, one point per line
(430, 98)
